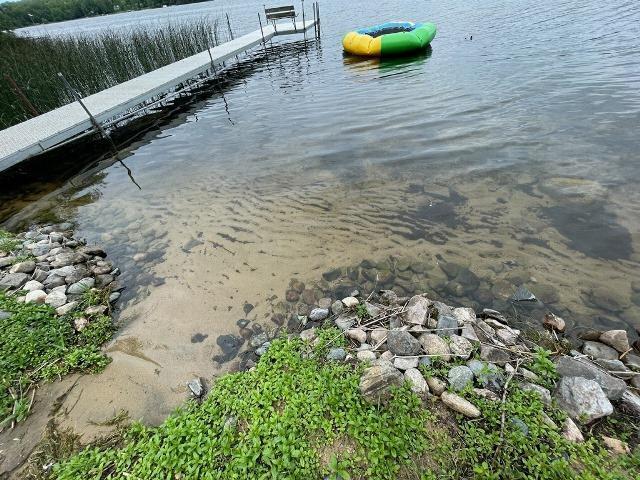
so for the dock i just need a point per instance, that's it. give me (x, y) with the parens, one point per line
(44, 132)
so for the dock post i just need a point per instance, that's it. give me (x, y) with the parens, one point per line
(98, 127)
(262, 33)
(315, 27)
(318, 10)
(304, 23)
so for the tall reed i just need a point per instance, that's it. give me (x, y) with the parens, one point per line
(91, 62)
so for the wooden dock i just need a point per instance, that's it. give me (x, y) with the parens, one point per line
(46, 131)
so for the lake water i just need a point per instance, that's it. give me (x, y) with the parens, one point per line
(505, 159)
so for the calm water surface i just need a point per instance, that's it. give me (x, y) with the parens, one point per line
(509, 159)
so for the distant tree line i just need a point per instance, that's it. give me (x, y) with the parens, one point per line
(24, 13)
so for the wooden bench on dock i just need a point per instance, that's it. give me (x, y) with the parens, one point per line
(274, 14)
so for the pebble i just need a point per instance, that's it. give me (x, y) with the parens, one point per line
(366, 356)
(436, 385)
(56, 298)
(350, 302)
(357, 334)
(337, 354)
(79, 323)
(263, 349)
(486, 394)
(258, 340)
(66, 308)
(36, 296)
(96, 310)
(318, 314)
(617, 339)
(23, 267)
(405, 363)
(460, 405)
(416, 381)
(460, 377)
(554, 323)
(615, 446)
(309, 335)
(32, 285)
(434, 345)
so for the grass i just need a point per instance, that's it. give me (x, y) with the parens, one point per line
(8, 242)
(36, 345)
(297, 416)
(90, 63)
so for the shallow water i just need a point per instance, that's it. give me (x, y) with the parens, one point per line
(481, 165)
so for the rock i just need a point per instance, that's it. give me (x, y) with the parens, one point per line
(6, 261)
(582, 399)
(68, 258)
(366, 356)
(508, 337)
(635, 382)
(460, 347)
(469, 334)
(318, 314)
(416, 381)
(357, 334)
(554, 323)
(417, 310)
(93, 251)
(258, 340)
(388, 297)
(620, 369)
(405, 363)
(372, 310)
(593, 335)
(580, 367)
(325, 302)
(447, 325)
(196, 388)
(350, 302)
(617, 339)
(387, 356)
(378, 335)
(632, 361)
(345, 321)
(103, 280)
(82, 286)
(308, 335)
(36, 296)
(630, 402)
(53, 281)
(337, 307)
(486, 394)
(40, 275)
(13, 281)
(263, 349)
(337, 354)
(484, 331)
(96, 310)
(23, 267)
(78, 273)
(615, 446)
(460, 405)
(376, 382)
(4, 315)
(292, 296)
(33, 285)
(79, 323)
(464, 315)
(543, 393)
(487, 374)
(402, 343)
(436, 385)
(571, 432)
(56, 298)
(494, 355)
(434, 345)
(599, 350)
(66, 308)
(460, 377)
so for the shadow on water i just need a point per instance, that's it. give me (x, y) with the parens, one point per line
(390, 64)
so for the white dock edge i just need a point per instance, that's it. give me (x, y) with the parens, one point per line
(35, 136)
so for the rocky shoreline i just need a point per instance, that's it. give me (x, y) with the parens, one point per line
(443, 351)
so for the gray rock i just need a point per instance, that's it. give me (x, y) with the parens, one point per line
(571, 432)
(23, 267)
(416, 381)
(543, 393)
(68, 258)
(436, 385)
(324, 302)
(318, 314)
(4, 315)
(486, 394)
(36, 296)
(82, 286)
(196, 387)
(258, 340)
(487, 374)
(103, 280)
(6, 261)
(484, 331)
(40, 275)
(581, 367)
(345, 321)
(388, 297)
(54, 281)
(599, 350)
(337, 307)
(56, 298)
(357, 334)
(377, 381)
(32, 285)
(434, 345)
(263, 349)
(632, 361)
(460, 346)
(582, 399)
(96, 310)
(13, 281)
(617, 339)
(417, 310)
(460, 377)
(507, 336)
(620, 369)
(93, 251)
(402, 343)
(405, 363)
(630, 402)
(114, 296)
(460, 405)
(372, 310)
(366, 356)
(494, 355)
(469, 333)
(67, 308)
(464, 315)
(337, 354)
(309, 335)
(79, 272)
(447, 325)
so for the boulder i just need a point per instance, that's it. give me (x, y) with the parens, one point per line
(460, 377)
(434, 345)
(582, 399)
(416, 380)
(402, 343)
(460, 405)
(617, 339)
(460, 346)
(417, 310)
(447, 325)
(376, 382)
(599, 350)
(581, 367)
(23, 267)
(13, 281)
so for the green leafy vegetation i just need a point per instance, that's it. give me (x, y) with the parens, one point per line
(37, 345)
(544, 367)
(25, 13)
(91, 63)
(298, 416)
(8, 242)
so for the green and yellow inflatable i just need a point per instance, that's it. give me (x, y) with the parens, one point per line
(389, 39)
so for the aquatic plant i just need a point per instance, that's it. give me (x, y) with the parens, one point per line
(90, 62)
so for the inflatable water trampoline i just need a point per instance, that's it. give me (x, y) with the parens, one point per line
(389, 39)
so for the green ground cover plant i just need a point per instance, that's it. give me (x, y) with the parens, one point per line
(297, 416)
